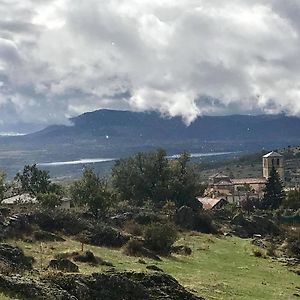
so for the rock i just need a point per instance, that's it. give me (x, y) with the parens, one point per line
(32, 289)
(14, 258)
(110, 285)
(114, 285)
(64, 265)
(44, 236)
(248, 226)
(104, 235)
(183, 250)
(259, 243)
(141, 261)
(89, 257)
(121, 219)
(154, 268)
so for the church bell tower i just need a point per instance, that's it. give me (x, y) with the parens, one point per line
(270, 160)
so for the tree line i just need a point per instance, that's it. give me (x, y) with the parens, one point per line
(139, 179)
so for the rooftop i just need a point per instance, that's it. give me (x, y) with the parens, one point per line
(272, 154)
(209, 203)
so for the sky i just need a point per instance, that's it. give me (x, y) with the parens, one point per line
(60, 58)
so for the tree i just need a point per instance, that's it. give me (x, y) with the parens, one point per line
(292, 199)
(92, 191)
(273, 193)
(183, 180)
(33, 180)
(151, 176)
(142, 177)
(49, 200)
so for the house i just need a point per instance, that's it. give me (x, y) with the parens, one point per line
(236, 189)
(212, 203)
(19, 199)
(26, 199)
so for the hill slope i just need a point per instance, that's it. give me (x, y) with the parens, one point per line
(144, 126)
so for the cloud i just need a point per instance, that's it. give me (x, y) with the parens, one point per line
(59, 58)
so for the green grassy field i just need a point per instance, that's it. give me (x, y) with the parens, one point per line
(219, 268)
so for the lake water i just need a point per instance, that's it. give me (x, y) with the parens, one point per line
(103, 160)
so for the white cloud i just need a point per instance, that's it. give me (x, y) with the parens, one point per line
(59, 58)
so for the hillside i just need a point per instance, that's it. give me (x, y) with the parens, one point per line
(114, 134)
(150, 125)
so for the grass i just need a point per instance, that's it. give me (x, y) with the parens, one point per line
(219, 268)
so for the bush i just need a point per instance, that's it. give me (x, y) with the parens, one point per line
(146, 217)
(204, 223)
(160, 237)
(294, 246)
(133, 228)
(50, 200)
(136, 248)
(60, 220)
(133, 247)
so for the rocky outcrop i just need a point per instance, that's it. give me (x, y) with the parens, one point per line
(64, 265)
(247, 226)
(104, 235)
(14, 259)
(110, 285)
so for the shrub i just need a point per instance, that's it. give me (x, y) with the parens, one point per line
(60, 220)
(133, 247)
(49, 200)
(146, 217)
(160, 237)
(294, 246)
(204, 223)
(133, 228)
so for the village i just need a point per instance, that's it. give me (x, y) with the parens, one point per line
(222, 189)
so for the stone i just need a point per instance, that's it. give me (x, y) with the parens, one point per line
(182, 250)
(14, 258)
(154, 268)
(64, 265)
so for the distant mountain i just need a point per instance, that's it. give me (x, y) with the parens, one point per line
(113, 134)
(144, 126)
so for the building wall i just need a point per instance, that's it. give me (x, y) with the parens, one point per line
(277, 162)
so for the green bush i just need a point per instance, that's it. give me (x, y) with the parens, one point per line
(49, 200)
(133, 247)
(160, 237)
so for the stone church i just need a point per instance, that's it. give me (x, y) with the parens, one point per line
(237, 189)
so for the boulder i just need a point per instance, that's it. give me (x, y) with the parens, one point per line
(154, 268)
(247, 226)
(110, 285)
(64, 265)
(113, 285)
(103, 235)
(32, 289)
(89, 257)
(14, 258)
(182, 250)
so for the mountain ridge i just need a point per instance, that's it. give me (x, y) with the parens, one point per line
(151, 125)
